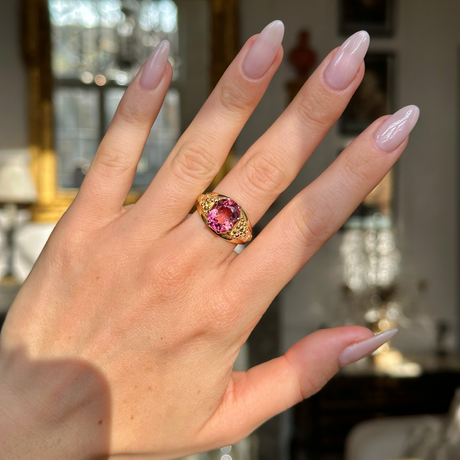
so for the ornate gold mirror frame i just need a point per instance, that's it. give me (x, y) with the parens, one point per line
(53, 201)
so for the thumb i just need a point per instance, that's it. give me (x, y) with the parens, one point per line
(272, 387)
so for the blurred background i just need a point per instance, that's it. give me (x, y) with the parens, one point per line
(395, 263)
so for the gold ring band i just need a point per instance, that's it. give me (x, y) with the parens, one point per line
(224, 217)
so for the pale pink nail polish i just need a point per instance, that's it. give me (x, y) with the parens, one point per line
(394, 130)
(346, 61)
(155, 66)
(360, 350)
(263, 52)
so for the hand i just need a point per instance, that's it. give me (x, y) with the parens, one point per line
(123, 338)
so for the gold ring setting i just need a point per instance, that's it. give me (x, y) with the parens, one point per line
(224, 217)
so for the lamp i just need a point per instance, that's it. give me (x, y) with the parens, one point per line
(17, 190)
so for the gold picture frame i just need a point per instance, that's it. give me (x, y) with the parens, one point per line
(52, 201)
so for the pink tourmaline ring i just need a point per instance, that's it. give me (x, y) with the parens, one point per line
(224, 217)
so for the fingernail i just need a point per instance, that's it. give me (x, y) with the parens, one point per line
(155, 66)
(360, 350)
(264, 50)
(346, 61)
(393, 131)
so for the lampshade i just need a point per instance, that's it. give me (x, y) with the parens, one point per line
(16, 182)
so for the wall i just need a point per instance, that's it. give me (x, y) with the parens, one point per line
(427, 42)
(195, 54)
(13, 80)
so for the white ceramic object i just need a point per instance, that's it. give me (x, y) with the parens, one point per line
(29, 241)
(16, 182)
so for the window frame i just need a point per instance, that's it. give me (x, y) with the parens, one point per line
(53, 201)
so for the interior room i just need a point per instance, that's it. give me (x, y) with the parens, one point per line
(393, 264)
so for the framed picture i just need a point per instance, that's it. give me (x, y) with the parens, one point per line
(375, 16)
(374, 97)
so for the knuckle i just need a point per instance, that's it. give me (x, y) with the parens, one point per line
(114, 160)
(172, 273)
(314, 222)
(68, 248)
(357, 171)
(314, 110)
(309, 383)
(234, 99)
(313, 382)
(130, 113)
(166, 276)
(65, 254)
(196, 162)
(264, 174)
(221, 312)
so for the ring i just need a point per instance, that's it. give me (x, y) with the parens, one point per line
(224, 217)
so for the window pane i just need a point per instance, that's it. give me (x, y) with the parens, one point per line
(76, 128)
(98, 47)
(162, 138)
(111, 38)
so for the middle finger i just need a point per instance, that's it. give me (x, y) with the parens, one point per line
(273, 162)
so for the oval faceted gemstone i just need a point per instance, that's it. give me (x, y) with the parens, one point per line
(223, 215)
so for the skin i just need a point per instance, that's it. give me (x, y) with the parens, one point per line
(122, 340)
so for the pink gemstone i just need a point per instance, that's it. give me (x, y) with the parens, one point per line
(223, 215)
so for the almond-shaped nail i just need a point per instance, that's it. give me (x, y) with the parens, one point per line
(393, 131)
(362, 349)
(346, 61)
(155, 66)
(264, 50)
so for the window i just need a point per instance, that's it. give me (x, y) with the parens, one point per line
(98, 46)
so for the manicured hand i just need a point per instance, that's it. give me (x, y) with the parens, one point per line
(123, 338)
